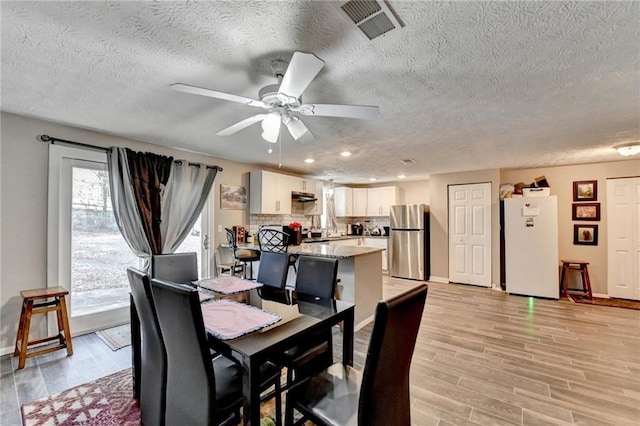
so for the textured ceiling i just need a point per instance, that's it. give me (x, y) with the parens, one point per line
(464, 86)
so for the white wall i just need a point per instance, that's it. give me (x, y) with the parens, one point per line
(561, 182)
(23, 206)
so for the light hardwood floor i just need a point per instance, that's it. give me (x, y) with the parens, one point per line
(482, 358)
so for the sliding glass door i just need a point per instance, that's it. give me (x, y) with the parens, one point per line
(87, 254)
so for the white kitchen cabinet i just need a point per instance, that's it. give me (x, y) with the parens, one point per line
(318, 192)
(378, 242)
(270, 193)
(303, 184)
(380, 200)
(360, 202)
(343, 200)
(351, 242)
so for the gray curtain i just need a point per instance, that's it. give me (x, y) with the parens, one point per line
(184, 196)
(124, 203)
(182, 199)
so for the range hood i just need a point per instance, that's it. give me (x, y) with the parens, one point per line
(303, 197)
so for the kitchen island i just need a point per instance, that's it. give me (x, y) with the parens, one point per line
(359, 271)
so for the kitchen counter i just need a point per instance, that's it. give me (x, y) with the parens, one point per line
(325, 250)
(359, 271)
(342, 237)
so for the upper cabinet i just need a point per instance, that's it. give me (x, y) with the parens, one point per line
(343, 200)
(380, 200)
(317, 189)
(365, 201)
(270, 193)
(303, 185)
(360, 201)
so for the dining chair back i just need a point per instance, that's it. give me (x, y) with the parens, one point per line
(379, 396)
(175, 267)
(194, 393)
(385, 380)
(152, 377)
(317, 276)
(273, 269)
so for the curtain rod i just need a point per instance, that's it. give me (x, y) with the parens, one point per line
(52, 140)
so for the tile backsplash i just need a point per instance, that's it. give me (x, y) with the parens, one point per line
(258, 220)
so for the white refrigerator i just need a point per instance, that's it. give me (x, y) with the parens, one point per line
(531, 246)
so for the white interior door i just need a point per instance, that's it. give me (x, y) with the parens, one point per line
(623, 229)
(470, 234)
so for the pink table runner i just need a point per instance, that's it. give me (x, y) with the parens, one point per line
(227, 285)
(226, 319)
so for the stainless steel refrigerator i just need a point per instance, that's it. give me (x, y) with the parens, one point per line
(409, 242)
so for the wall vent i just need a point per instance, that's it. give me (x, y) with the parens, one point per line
(374, 18)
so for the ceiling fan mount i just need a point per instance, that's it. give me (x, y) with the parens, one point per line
(279, 100)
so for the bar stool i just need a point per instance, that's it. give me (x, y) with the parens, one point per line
(29, 308)
(579, 266)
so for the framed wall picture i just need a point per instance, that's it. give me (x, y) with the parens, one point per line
(585, 211)
(585, 235)
(585, 190)
(233, 197)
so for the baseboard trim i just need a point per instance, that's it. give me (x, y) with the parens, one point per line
(443, 280)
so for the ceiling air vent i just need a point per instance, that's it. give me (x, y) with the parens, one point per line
(372, 17)
(408, 161)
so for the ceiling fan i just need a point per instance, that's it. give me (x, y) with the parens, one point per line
(280, 100)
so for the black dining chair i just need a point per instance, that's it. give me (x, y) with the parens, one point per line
(200, 390)
(316, 280)
(179, 268)
(276, 241)
(273, 269)
(152, 376)
(241, 255)
(379, 396)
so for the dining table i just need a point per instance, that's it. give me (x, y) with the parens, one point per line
(281, 319)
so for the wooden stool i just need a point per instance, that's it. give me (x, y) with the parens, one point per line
(575, 266)
(29, 308)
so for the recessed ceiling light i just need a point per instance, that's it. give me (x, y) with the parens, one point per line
(372, 179)
(345, 153)
(401, 176)
(309, 160)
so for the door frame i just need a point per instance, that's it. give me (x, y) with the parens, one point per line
(59, 238)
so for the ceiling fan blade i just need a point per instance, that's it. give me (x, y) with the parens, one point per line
(298, 129)
(363, 112)
(186, 88)
(241, 125)
(302, 69)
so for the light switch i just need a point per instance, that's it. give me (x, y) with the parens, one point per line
(219, 228)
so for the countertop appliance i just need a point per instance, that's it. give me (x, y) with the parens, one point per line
(531, 246)
(409, 242)
(356, 229)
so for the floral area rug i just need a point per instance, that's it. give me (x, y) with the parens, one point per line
(106, 401)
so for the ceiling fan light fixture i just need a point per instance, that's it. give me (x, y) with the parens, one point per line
(628, 149)
(271, 127)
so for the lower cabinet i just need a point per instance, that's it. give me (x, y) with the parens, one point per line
(366, 242)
